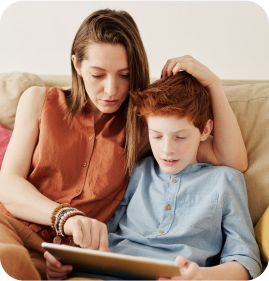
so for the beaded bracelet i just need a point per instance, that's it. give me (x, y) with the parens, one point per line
(60, 214)
(55, 211)
(60, 219)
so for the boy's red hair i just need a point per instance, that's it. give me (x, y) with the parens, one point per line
(180, 95)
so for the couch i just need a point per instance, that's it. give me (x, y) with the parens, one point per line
(250, 103)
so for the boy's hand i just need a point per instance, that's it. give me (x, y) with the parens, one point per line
(189, 270)
(199, 71)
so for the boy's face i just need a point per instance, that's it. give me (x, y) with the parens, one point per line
(174, 142)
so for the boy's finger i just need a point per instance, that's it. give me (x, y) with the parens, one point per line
(181, 261)
(52, 260)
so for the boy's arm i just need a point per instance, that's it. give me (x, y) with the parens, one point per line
(237, 228)
(228, 271)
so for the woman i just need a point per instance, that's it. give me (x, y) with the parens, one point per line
(79, 146)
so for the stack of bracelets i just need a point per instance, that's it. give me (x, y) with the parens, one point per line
(58, 218)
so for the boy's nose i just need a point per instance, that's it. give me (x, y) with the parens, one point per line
(168, 148)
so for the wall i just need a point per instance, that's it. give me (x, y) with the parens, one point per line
(231, 38)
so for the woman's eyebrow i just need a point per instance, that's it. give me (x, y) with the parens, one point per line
(99, 68)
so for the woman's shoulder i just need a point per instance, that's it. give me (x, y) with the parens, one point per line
(33, 98)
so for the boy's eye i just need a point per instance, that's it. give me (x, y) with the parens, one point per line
(182, 138)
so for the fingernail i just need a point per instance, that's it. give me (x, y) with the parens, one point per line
(58, 265)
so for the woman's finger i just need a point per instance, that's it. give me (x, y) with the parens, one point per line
(87, 229)
(64, 269)
(168, 69)
(95, 234)
(77, 231)
(52, 260)
(103, 246)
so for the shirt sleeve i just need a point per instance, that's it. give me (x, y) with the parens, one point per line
(113, 223)
(239, 239)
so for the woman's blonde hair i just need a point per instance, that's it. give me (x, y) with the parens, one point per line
(113, 27)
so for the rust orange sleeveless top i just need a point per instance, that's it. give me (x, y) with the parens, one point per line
(82, 165)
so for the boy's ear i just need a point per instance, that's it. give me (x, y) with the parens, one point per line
(207, 130)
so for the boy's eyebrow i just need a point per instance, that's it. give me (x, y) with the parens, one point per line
(99, 68)
(173, 132)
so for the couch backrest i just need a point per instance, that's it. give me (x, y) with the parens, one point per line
(248, 99)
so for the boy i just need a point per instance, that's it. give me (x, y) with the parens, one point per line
(175, 208)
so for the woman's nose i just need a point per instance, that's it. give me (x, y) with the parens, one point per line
(111, 86)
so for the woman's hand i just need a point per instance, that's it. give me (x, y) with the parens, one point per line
(55, 270)
(189, 270)
(87, 233)
(199, 71)
(227, 146)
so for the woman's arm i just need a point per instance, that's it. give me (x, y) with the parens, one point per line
(20, 197)
(227, 146)
(227, 271)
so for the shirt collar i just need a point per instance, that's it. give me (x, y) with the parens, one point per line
(188, 170)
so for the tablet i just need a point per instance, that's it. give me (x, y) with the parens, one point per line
(112, 264)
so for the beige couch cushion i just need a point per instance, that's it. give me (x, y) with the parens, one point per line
(12, 85)
(250, 104)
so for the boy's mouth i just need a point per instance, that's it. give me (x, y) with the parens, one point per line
(169, 162)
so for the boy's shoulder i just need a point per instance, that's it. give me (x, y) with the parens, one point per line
(225, 179)
(144, 166)
(224, 171)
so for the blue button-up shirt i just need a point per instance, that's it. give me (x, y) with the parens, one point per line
(197, 213)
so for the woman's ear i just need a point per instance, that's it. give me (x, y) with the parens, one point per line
(74, 60)
(207, 130)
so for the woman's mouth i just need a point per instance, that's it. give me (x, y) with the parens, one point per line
(110, 102)
(169, 162)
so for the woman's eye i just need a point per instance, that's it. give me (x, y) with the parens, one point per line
(97, 76)
(182, 138)
(157, 137)
(126, 76)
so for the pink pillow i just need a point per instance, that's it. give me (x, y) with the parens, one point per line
(5, 136)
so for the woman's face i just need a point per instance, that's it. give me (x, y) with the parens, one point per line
(105, 73)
